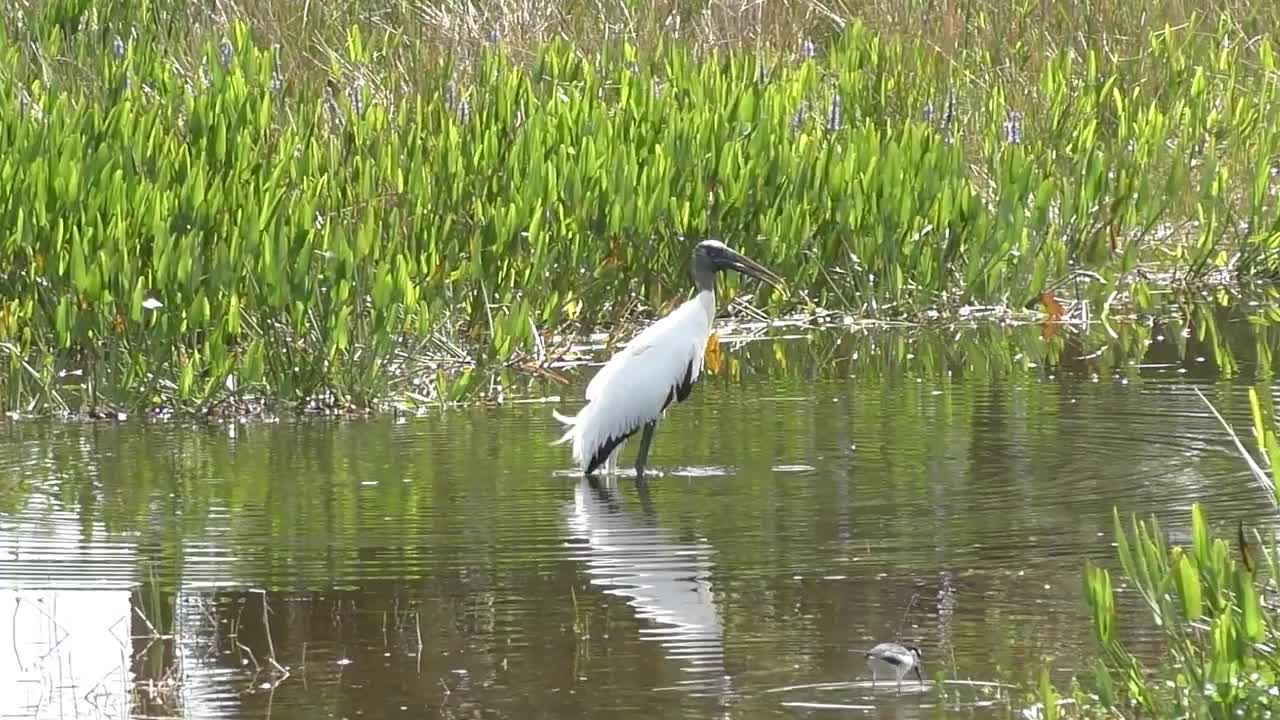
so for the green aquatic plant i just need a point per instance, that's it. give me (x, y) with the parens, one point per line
(207, 211)
(1212, 608)
(1211, 605)
(1264, 432)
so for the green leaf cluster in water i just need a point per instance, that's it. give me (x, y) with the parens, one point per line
(187, 219)
(1212, 607)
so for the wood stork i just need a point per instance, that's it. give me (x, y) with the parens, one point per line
(658, 366)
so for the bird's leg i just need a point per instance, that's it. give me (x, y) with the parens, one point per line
(611, 462)
(646, 439)
(646, 501)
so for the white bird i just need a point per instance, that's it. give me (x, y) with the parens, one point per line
(894, 659)
(658, 366)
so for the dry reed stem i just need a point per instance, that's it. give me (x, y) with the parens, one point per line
(1258, 473)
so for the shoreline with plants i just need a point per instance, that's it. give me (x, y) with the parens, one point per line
(199, 209)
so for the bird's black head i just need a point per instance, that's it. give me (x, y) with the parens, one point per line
(712, 256)
(915, 650)
(919, 656)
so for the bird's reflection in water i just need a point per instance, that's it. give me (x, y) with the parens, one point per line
(666, 580)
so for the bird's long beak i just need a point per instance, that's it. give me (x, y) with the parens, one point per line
(747, 266)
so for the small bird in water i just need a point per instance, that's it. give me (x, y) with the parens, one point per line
(893, 658)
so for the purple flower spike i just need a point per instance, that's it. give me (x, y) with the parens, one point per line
(277, 70)
(1013, 128)
(797, 119)
(355, 95)
(225, 51)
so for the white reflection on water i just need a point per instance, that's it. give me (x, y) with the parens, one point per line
(665, 579)
(64, 618)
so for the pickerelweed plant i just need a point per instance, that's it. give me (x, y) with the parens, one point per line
(187, 220)
(1212, 606)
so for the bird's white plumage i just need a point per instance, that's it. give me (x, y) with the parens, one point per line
(892, 659)
(632, 387)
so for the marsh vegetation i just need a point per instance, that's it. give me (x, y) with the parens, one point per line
(301, 205)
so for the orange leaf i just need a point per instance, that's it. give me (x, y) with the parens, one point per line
(614, 258)
(1052, 306)
(714, 359)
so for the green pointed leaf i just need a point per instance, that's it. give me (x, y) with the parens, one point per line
(1189, 589)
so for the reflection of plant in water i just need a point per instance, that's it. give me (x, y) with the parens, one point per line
(1198, 339)
(14, 490)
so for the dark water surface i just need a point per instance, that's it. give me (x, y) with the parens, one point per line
(816, 497)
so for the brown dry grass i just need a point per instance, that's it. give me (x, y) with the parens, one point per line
(1013, 37)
